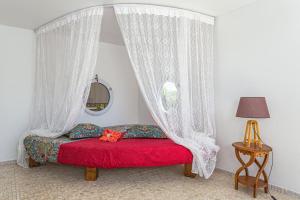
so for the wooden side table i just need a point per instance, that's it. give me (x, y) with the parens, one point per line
(254, 152)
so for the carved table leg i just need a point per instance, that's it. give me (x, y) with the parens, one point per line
(261, 171)
(241, 161)
(244, 167)
(91, 174)
(188, 171)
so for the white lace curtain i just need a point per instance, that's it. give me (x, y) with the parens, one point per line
(67, 50)
(171, 51)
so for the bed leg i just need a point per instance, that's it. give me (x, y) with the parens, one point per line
(91, 174)
(188, 171)
(32, 163)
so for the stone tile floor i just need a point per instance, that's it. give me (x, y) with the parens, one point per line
(57, 182)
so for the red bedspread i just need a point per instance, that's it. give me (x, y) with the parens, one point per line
(124, 153)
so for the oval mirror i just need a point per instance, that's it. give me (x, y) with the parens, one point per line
(100, 98)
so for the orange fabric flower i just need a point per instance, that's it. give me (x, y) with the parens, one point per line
(110, 136)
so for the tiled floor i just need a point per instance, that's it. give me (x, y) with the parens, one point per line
(56, 182)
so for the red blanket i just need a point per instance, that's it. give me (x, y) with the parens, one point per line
(124, 153)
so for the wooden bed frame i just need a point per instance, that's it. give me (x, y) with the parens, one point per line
(91, 174)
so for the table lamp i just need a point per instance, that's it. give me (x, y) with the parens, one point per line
(252, 107)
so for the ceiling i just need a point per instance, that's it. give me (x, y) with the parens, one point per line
(30, 14)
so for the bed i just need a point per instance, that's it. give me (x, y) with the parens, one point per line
(93, 154)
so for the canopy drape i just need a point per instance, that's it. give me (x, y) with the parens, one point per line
(66, 56)
(171, 51)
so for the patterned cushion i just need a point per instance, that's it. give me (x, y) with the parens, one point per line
(144, 131)
(85, 131)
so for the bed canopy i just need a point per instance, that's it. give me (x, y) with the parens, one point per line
(171, 52)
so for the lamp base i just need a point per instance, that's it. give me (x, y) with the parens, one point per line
(252, 125)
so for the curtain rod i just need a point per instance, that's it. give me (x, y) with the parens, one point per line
(111, 5)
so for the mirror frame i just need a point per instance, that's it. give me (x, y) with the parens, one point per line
(101, 112)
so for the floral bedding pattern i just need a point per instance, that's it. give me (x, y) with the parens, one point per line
(85, 130)
(145, 131)
(139, 131)
(44, 149)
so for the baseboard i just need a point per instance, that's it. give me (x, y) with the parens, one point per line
(273, 187)
(9, 162)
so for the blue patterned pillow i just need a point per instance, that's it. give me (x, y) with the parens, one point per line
(85, 131)
(144, 131)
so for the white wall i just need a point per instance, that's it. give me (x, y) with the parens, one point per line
(144, 113)
(258, 54)
(16, 81)
(114, 68)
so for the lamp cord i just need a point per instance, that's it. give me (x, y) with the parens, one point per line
(270, 172)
